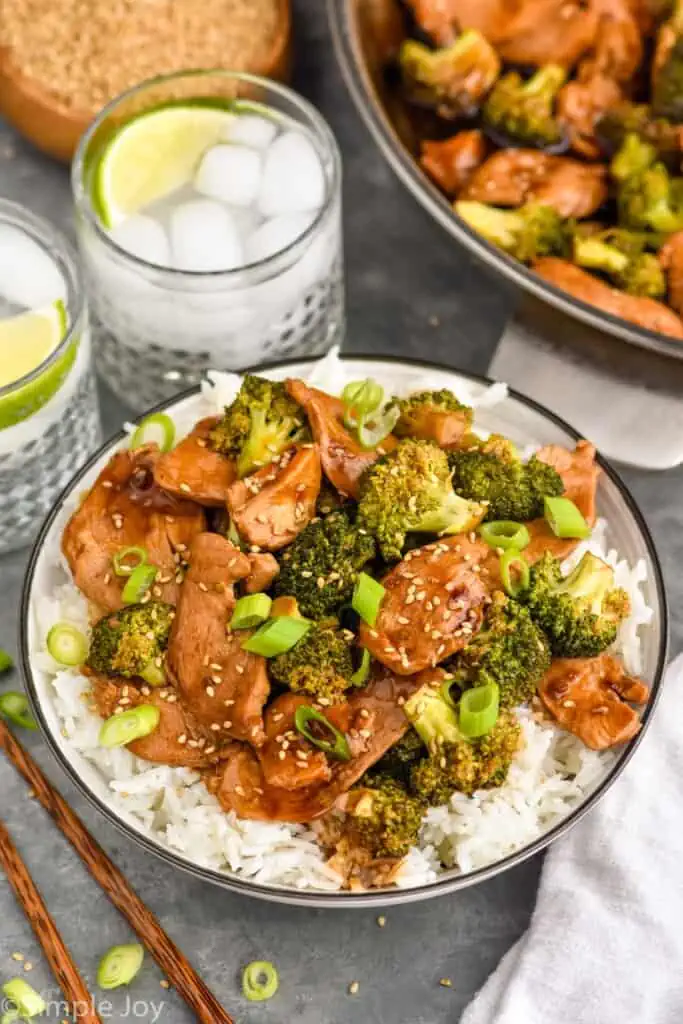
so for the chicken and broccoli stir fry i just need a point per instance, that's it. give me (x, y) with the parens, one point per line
(368, 657)
(556, 130)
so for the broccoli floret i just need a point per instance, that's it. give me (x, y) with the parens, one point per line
(387, 818)
(409, 490)
(417, 408)
(320, 663)
(580, 613)
(621, 255)
(634, 156)
(509, 650)
(647, 196)
(321, 567)
(452, 80)
(523, 111)
(639, 119)
(259, 425)
(527, 233)
(132, 641)
(494, 473)
(399, 759)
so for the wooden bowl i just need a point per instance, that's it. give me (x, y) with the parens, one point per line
(55, 128)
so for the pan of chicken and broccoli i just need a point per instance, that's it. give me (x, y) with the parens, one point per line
(547, 135)
(348, 631)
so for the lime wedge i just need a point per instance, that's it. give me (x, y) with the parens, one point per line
(26, 341)
(152, 155)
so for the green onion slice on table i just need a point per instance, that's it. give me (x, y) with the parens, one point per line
(26, 1001)
(514, 572)
(505, 533)
(127, 560)
(478, 710)
(14, 707)
(66, 644)
(565, 519)
(260, 981)
(120, 965)
(157, 428)
(131, 725)
(326, 737)
(367, 598)
(277, 636)
(138, 583)
(251, 611)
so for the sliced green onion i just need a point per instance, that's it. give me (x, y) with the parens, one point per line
(361, 397)
(337, 746)
(66, 644)
(131, 725)
(6, 662)
(446, 688)
(138, 583)
(479, 710)
(14, 707)
(120, 965)
(367, 598)
(121, 560)
(154, 674)
(360, 676)
(372, 432)
(277, 636)
(505, 533)
(27, 1002)
(512, 561)
(260, 981)
(251, 611)
(153, 427)
(564, 519)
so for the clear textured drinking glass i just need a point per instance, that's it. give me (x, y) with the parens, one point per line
(49, 418)
(157, 330)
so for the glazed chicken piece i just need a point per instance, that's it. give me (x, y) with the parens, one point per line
(543, 32)
(580, 473)
(591, 698)
(288, 760)
(273, 505)
(439, 18)
(512, 177)
(433, 605)
(126, 508)
(224, 686)
(263, 568)
(671, 259)
(343, 459)
(193, 470)
(177, 740)
(581, 104)
(452, 162)
(646, 313)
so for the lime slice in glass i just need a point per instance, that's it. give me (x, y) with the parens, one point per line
(26, 341)
(153, 155)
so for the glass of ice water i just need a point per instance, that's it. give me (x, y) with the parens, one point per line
(209, 223)
(49, 417)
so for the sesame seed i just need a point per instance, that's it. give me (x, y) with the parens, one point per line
(210, 692)
(19, 957)
(107, 577)
(353, 988)
(203, 586)
(164, 983)
(381, 921)
(28, 966)
(239, 669)
(446, 983)
(215, 727)
(217, 680)
(568, 704)
(186, 489)
(182, 739)
(239, 790)
(227, 724)
(282, 755)
(216, 668)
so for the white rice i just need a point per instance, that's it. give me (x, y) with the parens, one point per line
(551, 776)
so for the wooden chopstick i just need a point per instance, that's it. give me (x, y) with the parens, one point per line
(58, 956)
(173, 963)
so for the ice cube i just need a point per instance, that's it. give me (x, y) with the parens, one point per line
(204, 237)
(293, 179)
(28, 276)
(231, 174)
(251, 130)
(276, 234)
(144, 237)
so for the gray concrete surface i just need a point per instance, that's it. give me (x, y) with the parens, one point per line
(404, 277)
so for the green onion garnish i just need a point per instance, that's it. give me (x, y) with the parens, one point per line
(127, 560)
(564, 519)
(6, 662)
(506, 534)
(337, 746)
(446, 688)
(138, 583)
(152, 428)
(373, 430)
(27, 1002)
(251, 611)
(360, 676)
(154, 674)
(260, 981)
(361, 397)
(66, 644)
(509, 561)
(131, 725)
(14, 707)
(367, 598)
(120, 965)
(277, 636)
(478, 710)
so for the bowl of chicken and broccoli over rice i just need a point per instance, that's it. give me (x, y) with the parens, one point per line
(345, 632)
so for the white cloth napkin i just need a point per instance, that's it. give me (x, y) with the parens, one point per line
(605, 943)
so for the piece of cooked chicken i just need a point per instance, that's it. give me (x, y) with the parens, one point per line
(452, 162)
(194, 470)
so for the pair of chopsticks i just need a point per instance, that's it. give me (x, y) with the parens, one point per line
(172, 962)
